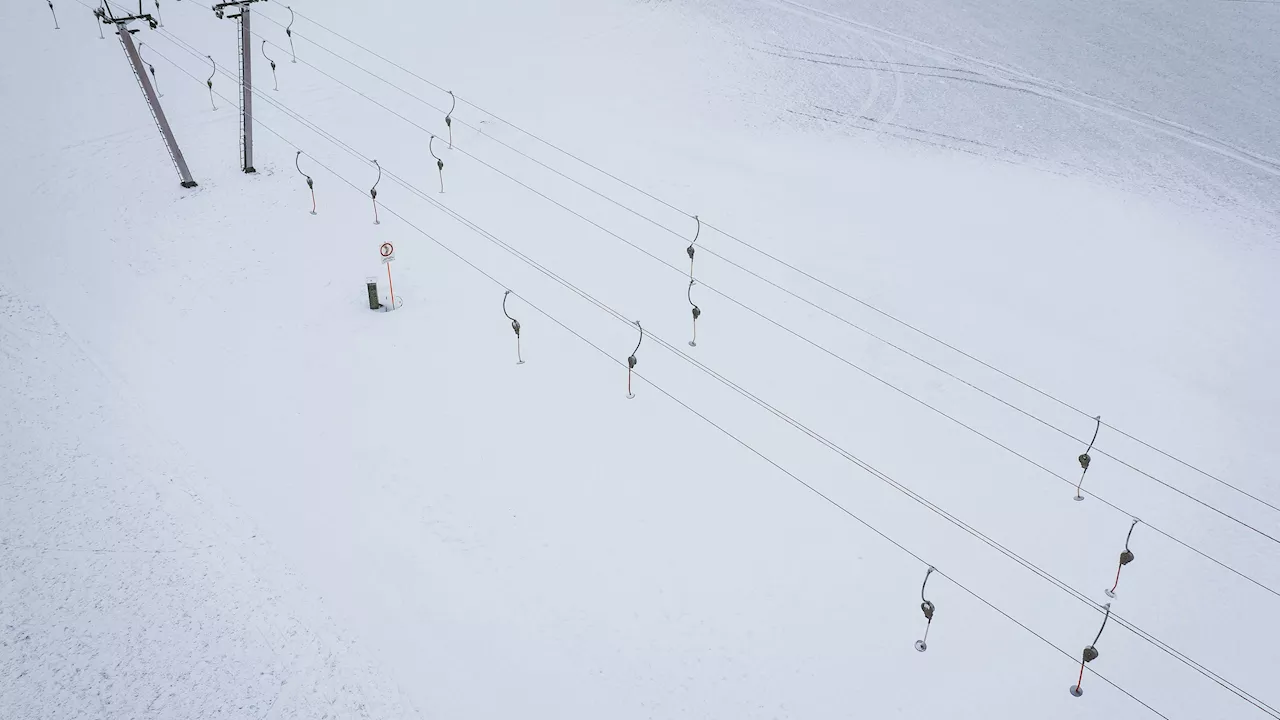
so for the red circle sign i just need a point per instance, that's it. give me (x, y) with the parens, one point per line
(387, 249)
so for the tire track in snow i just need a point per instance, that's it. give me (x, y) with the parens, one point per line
(869, 102)
(899, 95)
(851, 119)
(923, 141)
(1055, 91)
(979, 143)
(851, 58)
(979, 80)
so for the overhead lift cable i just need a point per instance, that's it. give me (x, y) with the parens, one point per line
(807, 340)
(784, 263)
(781, 288)
(745, 445)
(876, 473)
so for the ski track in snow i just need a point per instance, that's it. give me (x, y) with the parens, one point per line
(1008, 77)
(124, 593)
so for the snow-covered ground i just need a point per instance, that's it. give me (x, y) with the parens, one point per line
(228, 489)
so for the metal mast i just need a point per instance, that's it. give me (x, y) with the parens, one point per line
(246, 77)
(148, 90)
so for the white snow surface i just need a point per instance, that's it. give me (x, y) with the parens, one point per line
(230, 490)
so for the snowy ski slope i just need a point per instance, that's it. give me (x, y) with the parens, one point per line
(228, 489)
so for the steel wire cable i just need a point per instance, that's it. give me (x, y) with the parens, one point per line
(747, 446)
(788, 265)
(791, 331)
(849, 456)
(192, 50)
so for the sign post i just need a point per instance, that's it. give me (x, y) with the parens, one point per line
(388, 253)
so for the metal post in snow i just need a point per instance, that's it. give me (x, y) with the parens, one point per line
(131, 51)
(388, 253)
(246, 89)
(246, 76)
